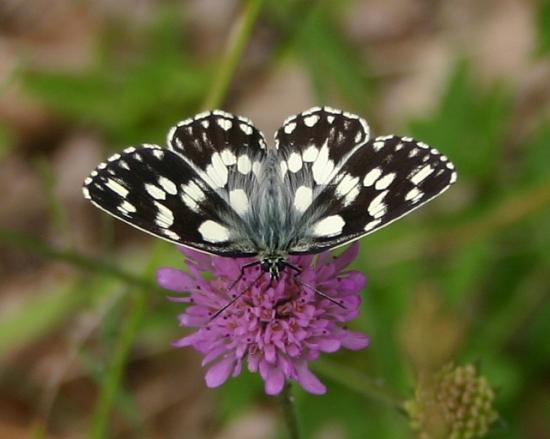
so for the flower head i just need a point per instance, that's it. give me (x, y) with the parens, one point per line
(277, 326)
(456, 402)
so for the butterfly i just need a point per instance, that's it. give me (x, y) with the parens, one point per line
(220, 189)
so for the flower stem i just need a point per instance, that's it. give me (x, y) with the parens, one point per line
(289, 412)
(235, 46)
(358, 382)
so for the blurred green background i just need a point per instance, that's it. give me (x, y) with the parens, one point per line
(85, 333)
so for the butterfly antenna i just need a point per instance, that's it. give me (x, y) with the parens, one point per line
(298, 270)
(320, 293)
(234, 299)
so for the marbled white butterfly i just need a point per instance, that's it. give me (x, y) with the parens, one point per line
(220, 189)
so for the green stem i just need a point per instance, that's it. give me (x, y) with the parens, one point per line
(289, 412)
(112, 382)
(358, 382)
(233, 52)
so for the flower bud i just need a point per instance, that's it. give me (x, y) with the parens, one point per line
(454, 403)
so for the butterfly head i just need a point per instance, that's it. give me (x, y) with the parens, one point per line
(273, 265)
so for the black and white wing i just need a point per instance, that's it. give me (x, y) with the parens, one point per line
(225, 150)
(192, 194)
(353, 186)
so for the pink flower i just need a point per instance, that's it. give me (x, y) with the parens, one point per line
(277, 327)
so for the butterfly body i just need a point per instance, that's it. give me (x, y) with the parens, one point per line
(219, 189)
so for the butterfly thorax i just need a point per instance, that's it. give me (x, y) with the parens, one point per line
(271, 216)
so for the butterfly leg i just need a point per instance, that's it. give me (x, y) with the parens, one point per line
(237, 297)
(243, 268)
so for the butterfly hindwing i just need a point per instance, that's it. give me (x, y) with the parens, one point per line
(384, 180)
(225, 150)
(153, 189)
(314, 144)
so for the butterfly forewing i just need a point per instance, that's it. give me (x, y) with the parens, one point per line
(384, 180)
(155, 190)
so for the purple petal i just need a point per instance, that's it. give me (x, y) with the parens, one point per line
(219, 372)
(355, 340)
(175, 280)
(186, 341)
(329, 345)
(347, 257)
(275, 381)
(309, 381)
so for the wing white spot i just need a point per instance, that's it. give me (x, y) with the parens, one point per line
(190, 202)
(228, 157)
(126, 207)
(443, 158)
(117, 187)
(86, 193)
(168, 185)
(330, 119)
(225, 124)
(303, 198)
(170, 234)
(450, 165)
(385, 181)
(346, 184)
(377, 146)
(351, 196)
(238, 201)
(413, 152)
(310, 154)
(453, 178)
(205, 123)
(294, 162)
(421, 175)
(289, 127)
(129, 150)
(212, 231)
(124, 165)
(398, 146)
(217, 171)
(193, 190)
(247, 129)
(322, 167)
(156, 192)
(165, 217)
(409, 139)
(311, 120)
(221, 113)
(414, 194)
(372, 224)
(377, 207)
(311, 111)
(420, 144)
(372, 176)
(243, 164)
(102, 165)
(158, 153)
(329, 226)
